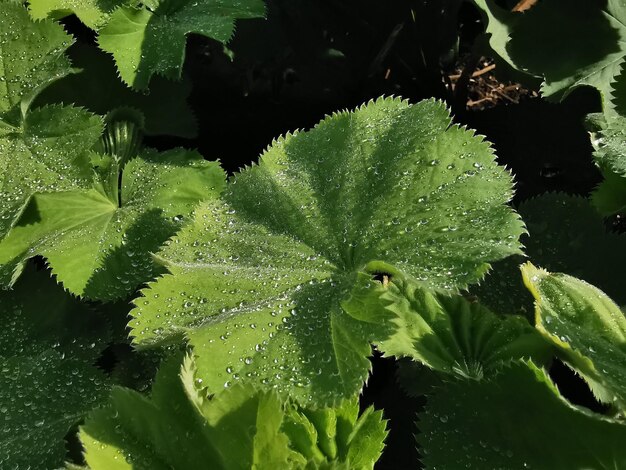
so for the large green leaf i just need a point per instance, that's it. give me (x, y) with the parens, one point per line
(517, 419)
(256, 280)
(32, 57)
(586, 325)
(566, 234)
(151, 39)
(48, 343)
(447, 333)
(98, 242)
(179, 427)
(98, 88)
(548, 42)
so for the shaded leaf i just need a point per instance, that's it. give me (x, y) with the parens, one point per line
(515, 420)
(548, 42)
(255, 281)
(151, 40)
(565, 234)
(98, 88)
(48, 344)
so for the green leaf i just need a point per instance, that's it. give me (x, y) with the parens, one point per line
(32, 57)
(45, 155)
(98, 88)
(547, 41)
(151, 40)
(611, 146)
(585, 324)
(240, 428)
(256, 280)
(499, 24)
(93, 13)
(48, 344)
(448, 334)
(327, 436)
(515, 420)
(566, 234)
(98, 242)
(610, 154)
(609, 197)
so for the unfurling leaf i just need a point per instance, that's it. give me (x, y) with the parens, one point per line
(449, 334)
(180, 427)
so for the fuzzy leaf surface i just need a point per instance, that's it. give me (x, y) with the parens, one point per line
(610, 154)
(45, 155)
(449, 334)
(151, 40)
(31, 54)
(552, 29)
(516, 419)
(41, 150)
(98, 245)
(256, 281)
(93, 13)
(48, 344)
(565, 234)
(180, 427)
(585, 324)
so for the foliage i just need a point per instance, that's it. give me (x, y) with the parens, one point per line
(238, 428)
(47, 380)
(282, 262)
(261, 295)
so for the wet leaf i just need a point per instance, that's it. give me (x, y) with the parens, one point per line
(449, 334)
(48, 344)
(588, 328)
(98, 242)
(255, 281)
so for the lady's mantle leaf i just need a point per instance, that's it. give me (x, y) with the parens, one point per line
(448, 334)
(152, 39)
(48, 342)
(32, 57)
(565, 234)
(99, 244)
(93, 13)
(610, 154)
(586, 325)
(515, 420)
(552, 29)
(180, 427)
(41, 150)
(256, 280)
